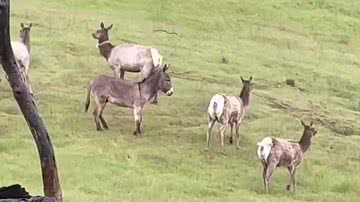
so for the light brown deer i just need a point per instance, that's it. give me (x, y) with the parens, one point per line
(276, 152)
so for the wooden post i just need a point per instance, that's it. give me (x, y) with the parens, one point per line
(28, 108)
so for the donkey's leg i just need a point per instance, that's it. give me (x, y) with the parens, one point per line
(103, 122)
(237, 135)
(96, 113)
(269, 171)
(208, 134)
(137, 119)
(293, 178)
(231, 133)
(290, 179)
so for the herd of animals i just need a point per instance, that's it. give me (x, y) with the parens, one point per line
(227, 111)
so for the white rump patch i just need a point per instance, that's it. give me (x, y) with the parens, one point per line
(157, 58)
(220, 102)
(264, 148)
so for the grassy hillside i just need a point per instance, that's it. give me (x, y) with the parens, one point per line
(314, 42)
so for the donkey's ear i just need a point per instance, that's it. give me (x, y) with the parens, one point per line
(302, 123)
(311, 123)
(110, 27)
(22, 25)
(166, 67)
(102, 26)
(250, 78)
(315, 132)
(30, 25)
(242, 79)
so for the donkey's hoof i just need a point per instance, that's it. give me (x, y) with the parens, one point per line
(288, 187)
(237, 148)
(135, 133)
(206, 149)
(231, 140)
(154, 102)
(99, 129)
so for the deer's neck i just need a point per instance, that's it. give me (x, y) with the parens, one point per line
(105, 48)
(305, 142)
(26, 42)
(245, 97)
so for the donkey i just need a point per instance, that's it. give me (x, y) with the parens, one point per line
(276, 152)
(228, 110)
(130, 94)
(127, 57)
(22, 52)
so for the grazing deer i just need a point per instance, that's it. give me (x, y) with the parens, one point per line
(130, 94)
(276, 152)
(127, 57)
(228, 110)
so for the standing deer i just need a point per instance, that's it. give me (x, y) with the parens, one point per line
(22, 53)
(130, 94)
(228, 110)
(276, 152)
(127, 57)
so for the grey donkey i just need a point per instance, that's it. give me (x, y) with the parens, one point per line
(127, 57)
(276, 152)
(130, 94)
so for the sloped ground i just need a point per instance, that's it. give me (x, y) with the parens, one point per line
(313, 42)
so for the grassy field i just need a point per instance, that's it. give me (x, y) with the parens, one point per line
(314, 42)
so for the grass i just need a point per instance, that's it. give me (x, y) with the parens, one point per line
(313, 42)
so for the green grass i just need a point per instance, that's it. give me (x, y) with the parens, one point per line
(314, 42)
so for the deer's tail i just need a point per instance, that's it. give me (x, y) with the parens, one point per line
(156, 57)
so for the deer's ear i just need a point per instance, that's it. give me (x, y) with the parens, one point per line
(242, 79)
(102, 26)
(302, 123)
(166, 67)
(110, 27)
(22, 25)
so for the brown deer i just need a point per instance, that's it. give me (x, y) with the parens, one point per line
(276, 152)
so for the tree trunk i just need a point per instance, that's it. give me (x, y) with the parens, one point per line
(28, 108)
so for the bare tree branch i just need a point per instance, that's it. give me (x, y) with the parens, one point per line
(32, 117)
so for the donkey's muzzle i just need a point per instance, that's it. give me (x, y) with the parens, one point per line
(170, 92)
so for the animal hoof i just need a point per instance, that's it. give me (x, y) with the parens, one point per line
(99, 129)
(106, 128)
(206, 149)
(135, 133)
(231, 140)
(237, 148)
(288, 187)
(154, 102)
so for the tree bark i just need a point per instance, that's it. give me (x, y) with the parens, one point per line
(28, 108)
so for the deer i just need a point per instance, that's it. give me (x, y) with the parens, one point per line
(277, 152)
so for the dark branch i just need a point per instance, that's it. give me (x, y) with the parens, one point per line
(165, 31)
(32, 117)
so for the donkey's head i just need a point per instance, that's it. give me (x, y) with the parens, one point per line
(165, 84)
(309, 130)
(102, 33)
(247, 84)
(25, 31)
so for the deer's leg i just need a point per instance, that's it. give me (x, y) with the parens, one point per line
(231, 133)
(237, 135)
(222, 136)
(208, 134)
(293, 178)
(103, 122)
(269, 171)
(122, 74)
(264, 175)
(137, 119)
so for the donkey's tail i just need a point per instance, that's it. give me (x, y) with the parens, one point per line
(156, 57)
(87, 101)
